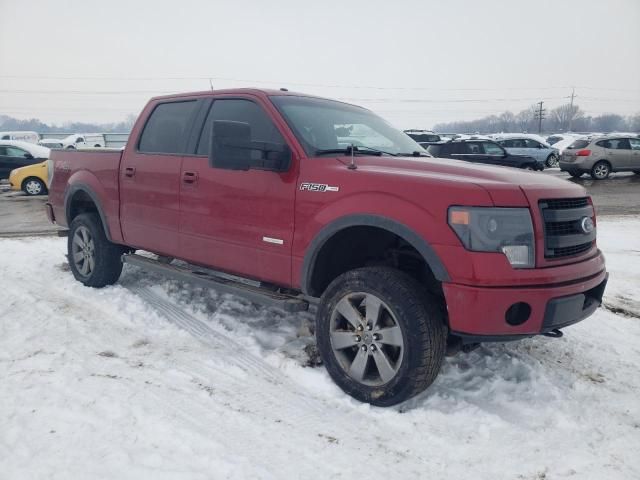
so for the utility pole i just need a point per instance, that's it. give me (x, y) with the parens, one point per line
(571, 115)
(539, 115)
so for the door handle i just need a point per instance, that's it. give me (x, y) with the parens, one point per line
(129, 172)
(189, 177)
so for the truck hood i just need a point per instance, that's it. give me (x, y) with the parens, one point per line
(506, 186)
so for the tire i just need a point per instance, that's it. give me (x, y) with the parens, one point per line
(71, 147)
(637, 172)
(552, 161)
(33, 186)
(601, 170)
(94, 260)
(411, 320)
(575, 174)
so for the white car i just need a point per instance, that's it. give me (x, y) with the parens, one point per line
(51, 143)
(84, 140)
(30, 137)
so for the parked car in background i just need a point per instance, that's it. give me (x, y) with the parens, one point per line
(31, 137)
(561, 141)
(531, 145)
(16, 154)
(84, 140)
(423, 136)
(599, 156)
(51, 143)
(32, 179)
(483, 151)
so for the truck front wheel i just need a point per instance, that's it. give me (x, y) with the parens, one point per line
(380, 335)
(93, 259)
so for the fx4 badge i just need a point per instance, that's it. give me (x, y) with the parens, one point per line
(318, 187)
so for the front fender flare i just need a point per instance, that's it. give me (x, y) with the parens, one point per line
(411, 237)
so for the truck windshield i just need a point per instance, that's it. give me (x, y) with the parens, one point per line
(325, 125)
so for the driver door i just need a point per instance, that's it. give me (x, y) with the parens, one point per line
(239, 221)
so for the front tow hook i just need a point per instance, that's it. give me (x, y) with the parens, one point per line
(555, 333)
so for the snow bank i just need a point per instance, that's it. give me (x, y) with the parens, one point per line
(156, 379)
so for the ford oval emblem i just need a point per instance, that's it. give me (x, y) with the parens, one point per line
(587, 225)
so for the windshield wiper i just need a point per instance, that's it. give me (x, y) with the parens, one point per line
(359, 149)
(415, 153)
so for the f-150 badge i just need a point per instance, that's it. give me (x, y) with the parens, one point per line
(318, 187)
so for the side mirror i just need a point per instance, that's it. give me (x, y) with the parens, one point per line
(231, 148)
(541, 146)
(28, 155)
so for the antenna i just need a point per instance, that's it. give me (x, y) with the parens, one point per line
(211, 84)
(352, 165)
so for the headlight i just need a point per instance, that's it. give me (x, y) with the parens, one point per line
(486, 229)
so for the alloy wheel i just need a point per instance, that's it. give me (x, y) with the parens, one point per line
(366, 339)
(601, 171)
(83, 251)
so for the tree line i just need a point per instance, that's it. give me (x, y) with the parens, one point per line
(8, 123)
(561, 119)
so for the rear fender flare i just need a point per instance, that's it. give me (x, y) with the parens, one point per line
(75, 188)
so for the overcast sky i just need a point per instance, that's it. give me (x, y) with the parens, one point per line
(416, 63)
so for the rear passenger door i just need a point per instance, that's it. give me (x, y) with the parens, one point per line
(619, 153)
(150, 178)
(13, 157)
(234, 220)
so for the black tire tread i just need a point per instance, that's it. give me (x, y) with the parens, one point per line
(430, 328)
(24, 183)
(108, 265)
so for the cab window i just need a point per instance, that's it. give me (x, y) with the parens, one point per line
(239, 110)
(167, 128)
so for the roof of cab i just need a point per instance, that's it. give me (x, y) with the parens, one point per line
(262, 92)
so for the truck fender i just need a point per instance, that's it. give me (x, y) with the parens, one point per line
(80, 187)
(415, 240)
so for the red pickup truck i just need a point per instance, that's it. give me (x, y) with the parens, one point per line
(297, 201)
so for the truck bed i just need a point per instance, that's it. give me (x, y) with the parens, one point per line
(98, 169)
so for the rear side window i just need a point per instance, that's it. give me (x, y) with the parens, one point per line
(491, 148)
(246, 111)
(578, 144)
(167, 128)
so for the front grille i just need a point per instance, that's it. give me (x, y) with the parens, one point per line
(568, 251)
(565, 203)
(563, 233)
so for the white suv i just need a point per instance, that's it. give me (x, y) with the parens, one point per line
(600, 156)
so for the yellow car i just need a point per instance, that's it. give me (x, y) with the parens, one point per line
(31, 179)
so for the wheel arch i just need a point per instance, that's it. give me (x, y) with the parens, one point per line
(81, 194)
(329, 232)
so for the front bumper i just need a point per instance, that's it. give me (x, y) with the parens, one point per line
(481, 313)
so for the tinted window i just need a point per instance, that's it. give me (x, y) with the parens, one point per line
(622, 144)
(635, 143)
(531, 143)
(166, 129)
(491, 148)
(15, 152)
(551, 140)
(578, 144)
(246, 111)
(473, 148)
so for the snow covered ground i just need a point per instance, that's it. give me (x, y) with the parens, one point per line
(155, 379)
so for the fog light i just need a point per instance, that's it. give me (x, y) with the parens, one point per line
(518, 313)
(518, 255)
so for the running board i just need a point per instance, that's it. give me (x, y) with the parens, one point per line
(223, 284)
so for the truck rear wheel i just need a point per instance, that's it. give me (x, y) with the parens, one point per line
(380, 335)
(93, 259)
